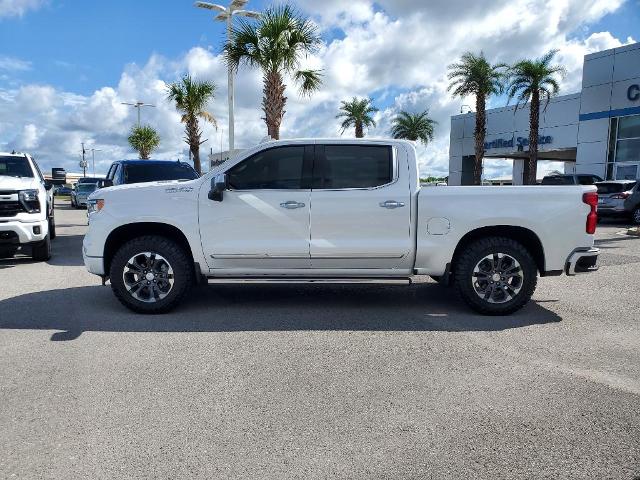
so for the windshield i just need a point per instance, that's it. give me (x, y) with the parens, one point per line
(86, 187)
(606, 188)
(15, 167)
(139, 173)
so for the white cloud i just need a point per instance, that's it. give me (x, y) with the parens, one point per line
(17, 8)
(396, 51)
(12, 64)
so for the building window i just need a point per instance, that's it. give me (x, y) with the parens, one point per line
(624, 146)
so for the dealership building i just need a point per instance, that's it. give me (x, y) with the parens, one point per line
(595, 131)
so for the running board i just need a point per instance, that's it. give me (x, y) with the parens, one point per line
(384, 281)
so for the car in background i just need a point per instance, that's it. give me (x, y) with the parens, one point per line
(62, 190)
(26, 207)
(571, 179)
(80, 195)
(619, 198)
(95, 180)
(142, 171)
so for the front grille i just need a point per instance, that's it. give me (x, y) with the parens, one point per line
(10, 209)
(8, 192)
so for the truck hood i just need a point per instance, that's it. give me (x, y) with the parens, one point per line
(17, 183)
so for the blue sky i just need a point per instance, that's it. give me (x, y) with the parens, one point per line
(65, 66)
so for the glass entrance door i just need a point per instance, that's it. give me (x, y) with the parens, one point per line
(627, 171)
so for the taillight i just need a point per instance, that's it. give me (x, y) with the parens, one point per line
(591, 199)
(620, 196)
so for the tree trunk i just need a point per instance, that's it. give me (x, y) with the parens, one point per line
(479, 135)
(359, 129)
(273, 102)
(193, 139)
(531, 166)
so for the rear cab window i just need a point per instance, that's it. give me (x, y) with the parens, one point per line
(353, 166)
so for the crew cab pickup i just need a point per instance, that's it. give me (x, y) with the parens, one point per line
(26, 207)
(335, 211)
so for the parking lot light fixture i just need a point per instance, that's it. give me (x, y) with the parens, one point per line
(226, 14)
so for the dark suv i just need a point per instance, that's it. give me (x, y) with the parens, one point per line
(140, 171)
(571, 179)
(619, 198)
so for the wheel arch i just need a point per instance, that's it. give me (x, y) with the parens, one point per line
(129, 231)
(522, 235)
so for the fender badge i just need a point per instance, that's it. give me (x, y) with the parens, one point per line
(179, 189)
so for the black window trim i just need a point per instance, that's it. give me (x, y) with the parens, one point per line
(307, 168)
(317, 166)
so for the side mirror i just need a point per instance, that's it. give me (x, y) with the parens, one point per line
(105, 183)
(48, 185)
(218, 185)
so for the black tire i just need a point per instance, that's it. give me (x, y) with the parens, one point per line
(8, 252)
(473, 254)
(176, 257)
(635, 216)
(52, 226)
(42, 251)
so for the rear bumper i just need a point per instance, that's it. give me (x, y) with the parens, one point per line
(582, 261)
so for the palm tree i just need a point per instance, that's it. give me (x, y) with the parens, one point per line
(144, 140)
(276, 45)
(191, 97)
(474, 75)
(413, 126)
(533, 81)
(357, 113)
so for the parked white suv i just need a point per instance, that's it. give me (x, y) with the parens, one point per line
(26, 207)
(335, 211)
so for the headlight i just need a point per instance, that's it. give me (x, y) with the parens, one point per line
(95, 205)
(29, 200)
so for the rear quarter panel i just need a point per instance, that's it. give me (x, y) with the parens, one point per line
(556, 215)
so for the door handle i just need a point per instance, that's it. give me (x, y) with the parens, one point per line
(291, 204)
(391, 204)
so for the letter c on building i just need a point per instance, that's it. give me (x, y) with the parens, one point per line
(633, 93)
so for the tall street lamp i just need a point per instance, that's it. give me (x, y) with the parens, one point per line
(93, 159)
(138, 105)
(226, 15)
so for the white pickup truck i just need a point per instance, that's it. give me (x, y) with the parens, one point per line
(335, 211)
(26, 207)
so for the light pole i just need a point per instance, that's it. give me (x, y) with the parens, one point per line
(93, 159)
(138, 105)
(226, 15)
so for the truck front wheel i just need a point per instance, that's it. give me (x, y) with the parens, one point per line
(151, 274)
(495, 275)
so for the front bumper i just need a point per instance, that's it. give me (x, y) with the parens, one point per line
(23, 233)
(582, 261)
(94, 265)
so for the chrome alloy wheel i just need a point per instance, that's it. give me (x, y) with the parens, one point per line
(148, 277)
(497, 278)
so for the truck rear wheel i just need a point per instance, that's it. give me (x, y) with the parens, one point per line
(495, 276)
(151, 274)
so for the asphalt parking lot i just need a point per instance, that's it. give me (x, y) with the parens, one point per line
(318, 381)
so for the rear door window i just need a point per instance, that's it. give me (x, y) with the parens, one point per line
(353, 166)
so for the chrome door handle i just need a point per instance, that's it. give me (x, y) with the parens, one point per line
(391, 204)
(291, 204)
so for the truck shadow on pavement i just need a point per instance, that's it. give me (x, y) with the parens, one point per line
(237, 308)
(66, 252)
